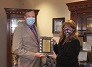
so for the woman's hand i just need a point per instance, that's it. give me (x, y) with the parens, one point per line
(53, 56)
(54, 41)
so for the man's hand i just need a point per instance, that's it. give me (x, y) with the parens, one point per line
(39, 55)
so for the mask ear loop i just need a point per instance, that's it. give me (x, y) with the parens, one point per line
(73, 30)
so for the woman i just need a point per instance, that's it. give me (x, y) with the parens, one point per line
(68, 47)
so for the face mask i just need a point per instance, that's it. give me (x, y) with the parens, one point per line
(68, 31)
(30, 21)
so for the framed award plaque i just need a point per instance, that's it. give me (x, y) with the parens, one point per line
(46, 45)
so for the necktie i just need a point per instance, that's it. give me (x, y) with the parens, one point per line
(34, 32)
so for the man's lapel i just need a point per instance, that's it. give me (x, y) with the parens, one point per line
(29, 31)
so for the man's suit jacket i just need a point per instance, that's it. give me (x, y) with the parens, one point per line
(25, 46)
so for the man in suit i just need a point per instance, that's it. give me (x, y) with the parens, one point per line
(25, 42)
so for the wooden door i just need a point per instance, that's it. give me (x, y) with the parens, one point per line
(81, 13)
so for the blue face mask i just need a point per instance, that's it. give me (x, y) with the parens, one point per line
(30, 21)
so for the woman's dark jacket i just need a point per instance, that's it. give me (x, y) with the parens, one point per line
(67, 54)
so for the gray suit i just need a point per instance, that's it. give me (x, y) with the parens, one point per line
(25, 46)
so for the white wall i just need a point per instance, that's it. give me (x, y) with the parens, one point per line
(3, 27)
(49, 9)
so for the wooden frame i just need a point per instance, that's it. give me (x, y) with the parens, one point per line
(46, 45)
(79, 12)
(57, 23)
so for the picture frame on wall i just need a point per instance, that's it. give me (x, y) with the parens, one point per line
(57, 24)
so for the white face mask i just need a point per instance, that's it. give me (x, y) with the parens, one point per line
(30, 20)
